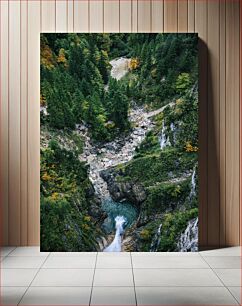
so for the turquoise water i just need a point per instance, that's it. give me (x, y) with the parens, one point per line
(114, 209)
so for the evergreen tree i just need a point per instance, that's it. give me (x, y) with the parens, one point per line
(118, 105)
(104, 66)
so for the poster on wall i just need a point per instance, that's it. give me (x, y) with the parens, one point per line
(119, 142)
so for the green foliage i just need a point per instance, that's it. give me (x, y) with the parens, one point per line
(159, 167)
(183, 82)
(96, 117)
(76, 87)
(64, 228)
(173, 225)
(117, 105)
(65, 199)
(60, 98)
(104, 66)
(166, 196)
(74, 69)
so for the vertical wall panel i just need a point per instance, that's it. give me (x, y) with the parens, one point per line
(81, 13)
(213, 123)
(191, 16)
(171, 15)
(96, 16)
(61, 16)
(232, 122)
(33, 122)
(183, 15)
(144, 16)
(201, 28)
(240, 123)
(157, 15)
(24, 124)
(14, 122)
(48, 15)
(125, 16)
(4, 122)
(134, 15)
(111, 16)
(222, 127)
(70, 15)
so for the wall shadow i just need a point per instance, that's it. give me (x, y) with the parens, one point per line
(209, 169)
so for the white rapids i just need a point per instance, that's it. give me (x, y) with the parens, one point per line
(164, 141)
(116, 245)
(188, 241)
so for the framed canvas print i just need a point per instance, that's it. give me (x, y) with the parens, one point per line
(119, 142)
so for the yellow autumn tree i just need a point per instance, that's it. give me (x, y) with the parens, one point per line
(62, 57)
(42, 100)
(133, 64)
(190, 148)
(46, 57)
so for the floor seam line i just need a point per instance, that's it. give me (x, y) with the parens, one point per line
(221, 281)
(10, 252)
(135, 294)
(239, 303)
(90, 299)
(33, 279)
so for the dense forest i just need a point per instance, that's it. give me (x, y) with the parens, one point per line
(119, 138)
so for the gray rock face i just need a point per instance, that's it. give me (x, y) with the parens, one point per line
(119, 151)
(96, 212)
(123, 191)
(127, 191)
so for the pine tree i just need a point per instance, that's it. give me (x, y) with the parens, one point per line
(118, 105)
(104, 66)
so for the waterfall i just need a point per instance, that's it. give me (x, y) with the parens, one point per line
(164, 141)
(188, 241)
(193, 184)
(116, 245)
(156, 240)
(174, 132)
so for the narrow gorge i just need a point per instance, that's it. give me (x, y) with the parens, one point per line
(102, 158)
(119, 142)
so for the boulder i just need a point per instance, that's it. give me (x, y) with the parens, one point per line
(123, 191)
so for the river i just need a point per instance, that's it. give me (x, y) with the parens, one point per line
(118, 151)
